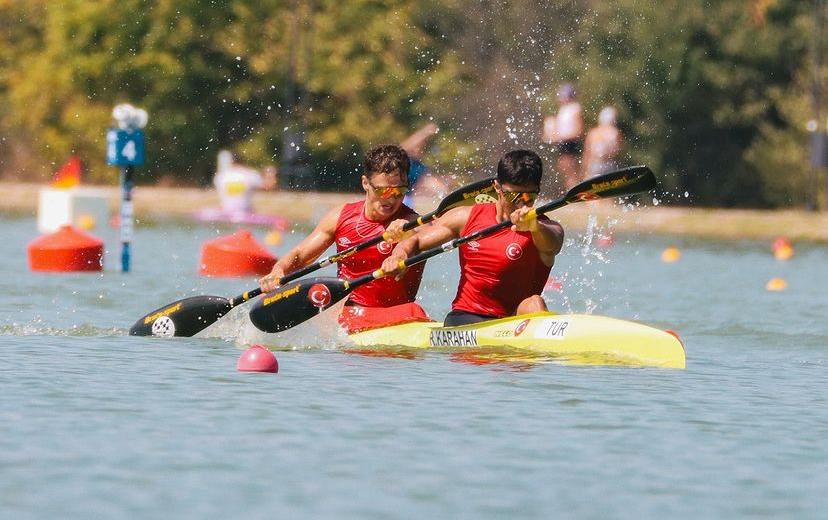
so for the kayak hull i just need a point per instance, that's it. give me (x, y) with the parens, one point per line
(576, 338)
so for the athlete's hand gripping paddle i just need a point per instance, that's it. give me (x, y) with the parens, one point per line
(295, 303)
(189, 316)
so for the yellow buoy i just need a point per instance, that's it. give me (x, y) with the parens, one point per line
(86, 222)
(776, 284)
(670, 255)
(274, 238)
(784, 252)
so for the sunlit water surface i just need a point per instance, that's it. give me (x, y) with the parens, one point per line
(97, 424)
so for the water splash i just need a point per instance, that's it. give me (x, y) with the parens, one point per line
(319, 333)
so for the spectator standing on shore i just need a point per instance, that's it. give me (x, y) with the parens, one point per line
(271, 177)
(235, 184)
(602, 145)
(420, 177)
(565, 131)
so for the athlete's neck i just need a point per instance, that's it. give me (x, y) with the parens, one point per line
(373, 216)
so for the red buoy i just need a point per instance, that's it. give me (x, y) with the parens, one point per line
(236, 255)
(67, 249)
(257, 359)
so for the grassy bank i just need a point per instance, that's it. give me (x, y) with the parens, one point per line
(156, 203)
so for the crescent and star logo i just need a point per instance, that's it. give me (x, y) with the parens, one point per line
(385, 247)
(521, 327)
(514, 251)
(319, 295)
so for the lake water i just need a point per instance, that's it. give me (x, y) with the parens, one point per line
(97, 424)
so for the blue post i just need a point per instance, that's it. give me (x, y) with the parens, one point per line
(125, 147)
(126, 216)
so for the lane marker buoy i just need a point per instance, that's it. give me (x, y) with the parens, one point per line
(67, 249)
(670, 255)
(257, 359)
(238, 254)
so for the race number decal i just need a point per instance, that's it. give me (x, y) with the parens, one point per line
(163, 326)
(552, 329)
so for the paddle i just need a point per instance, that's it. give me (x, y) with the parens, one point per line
(295, 303)
(189, 316)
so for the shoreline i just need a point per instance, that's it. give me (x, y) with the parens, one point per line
(306, 208)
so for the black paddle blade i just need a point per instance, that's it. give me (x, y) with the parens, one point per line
(183, 318)
(627, 181)
(474, 193)
(296, 302)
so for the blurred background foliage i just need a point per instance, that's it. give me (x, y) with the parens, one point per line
(713, 95)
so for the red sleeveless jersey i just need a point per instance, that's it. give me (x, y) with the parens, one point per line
(354, 228)
(499, 271)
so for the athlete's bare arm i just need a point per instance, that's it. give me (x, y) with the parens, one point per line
(308, 250)
(547, 234)
(445, 228)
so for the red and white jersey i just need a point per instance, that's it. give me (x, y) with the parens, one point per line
(354, 228)
(499, 271)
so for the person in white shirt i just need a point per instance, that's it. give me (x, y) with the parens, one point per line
(565, 131)
(235, 184)
(603, 145)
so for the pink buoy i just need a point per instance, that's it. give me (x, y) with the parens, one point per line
(553, 284)
(257, 359)
(606, 241)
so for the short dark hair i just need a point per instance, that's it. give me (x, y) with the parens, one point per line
(520, 167)
(386, 158)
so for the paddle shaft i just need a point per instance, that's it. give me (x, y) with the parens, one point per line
(611, 184)
(452, 244)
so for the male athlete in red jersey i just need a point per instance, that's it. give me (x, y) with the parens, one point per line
(384, 301)
(502, 274)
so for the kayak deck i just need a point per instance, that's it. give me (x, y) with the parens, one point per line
(576, 338)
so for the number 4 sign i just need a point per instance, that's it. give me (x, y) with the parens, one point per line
(124, 147)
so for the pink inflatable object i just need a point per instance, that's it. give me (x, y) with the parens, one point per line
(253, 219)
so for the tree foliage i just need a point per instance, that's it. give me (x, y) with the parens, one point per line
(712, 94)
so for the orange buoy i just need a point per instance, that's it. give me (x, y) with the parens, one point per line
(274, 238)
(776, 285)
(784, 252)
(780, 242)
(236, 255)
(65, 250)
(670, 255)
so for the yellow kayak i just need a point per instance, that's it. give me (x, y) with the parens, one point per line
(575, 338)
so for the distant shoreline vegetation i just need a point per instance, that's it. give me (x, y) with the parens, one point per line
(715, 97)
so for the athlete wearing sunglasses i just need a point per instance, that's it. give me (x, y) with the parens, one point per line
(386, 192)
(385, 181)
(524, 198)
(502, 274)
